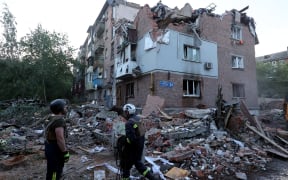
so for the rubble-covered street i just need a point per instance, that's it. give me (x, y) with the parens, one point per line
(180, 144)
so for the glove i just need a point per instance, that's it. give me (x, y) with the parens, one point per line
(66, 156)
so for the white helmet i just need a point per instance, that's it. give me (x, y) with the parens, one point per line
(130, 108)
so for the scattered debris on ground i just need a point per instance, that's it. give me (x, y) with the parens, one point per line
(194, 143)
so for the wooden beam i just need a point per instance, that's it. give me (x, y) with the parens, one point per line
(227, 117)
(266, 138)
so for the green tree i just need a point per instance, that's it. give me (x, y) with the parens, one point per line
(51, 58)
(42, 63)
(272, 79)
(9, 46)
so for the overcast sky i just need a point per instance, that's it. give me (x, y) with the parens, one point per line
(73, 17)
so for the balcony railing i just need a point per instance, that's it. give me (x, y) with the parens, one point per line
(125, 69)
(95, 84)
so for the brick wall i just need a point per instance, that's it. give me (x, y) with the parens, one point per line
(219, 30)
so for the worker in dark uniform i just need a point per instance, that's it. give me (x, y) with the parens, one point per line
(55, 144)
(135, 137)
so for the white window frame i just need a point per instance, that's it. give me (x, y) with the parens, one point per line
(236, 32)
(237, 62)
(191, 53)
(191, 88)
(238, 90)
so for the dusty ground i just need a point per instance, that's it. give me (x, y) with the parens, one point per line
(34, 167)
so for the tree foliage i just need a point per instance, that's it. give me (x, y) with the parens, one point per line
(9, 46)
(272, 79)
(42, 69)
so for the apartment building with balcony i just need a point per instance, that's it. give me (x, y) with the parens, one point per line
(97, 52)
(184, 55)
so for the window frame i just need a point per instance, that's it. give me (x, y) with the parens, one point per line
(239, 64)
(196, 88)
(130, 90)
(236, 32)
(186, 55)
(239, 92)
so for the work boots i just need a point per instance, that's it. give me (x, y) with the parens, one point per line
(152, 176)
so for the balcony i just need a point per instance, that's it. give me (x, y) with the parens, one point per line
(94, 85)
(100, 27)
(98, 83)
(125, 70)
(89, 86)
(90, 51)
(99, 43)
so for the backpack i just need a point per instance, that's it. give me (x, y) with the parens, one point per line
(120, 149)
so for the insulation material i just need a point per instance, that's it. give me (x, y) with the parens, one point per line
(164, 38)
(149, 43)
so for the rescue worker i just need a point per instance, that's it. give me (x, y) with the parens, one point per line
(55, 144)
(135, 137)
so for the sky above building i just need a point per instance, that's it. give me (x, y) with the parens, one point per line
(73, 17)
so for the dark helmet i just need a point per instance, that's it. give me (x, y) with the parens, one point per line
(57, 106)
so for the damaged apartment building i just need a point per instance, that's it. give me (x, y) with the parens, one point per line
(95, 80)
(181, 55)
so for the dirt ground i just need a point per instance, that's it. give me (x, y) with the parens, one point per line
(34, 167)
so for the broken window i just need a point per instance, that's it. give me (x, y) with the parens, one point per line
(130, 90)
(133, 52)
(236, 32)
(90, 61)
(237, 62)
(123, 56)
(191, 53)
(191, 88)
(238, 90)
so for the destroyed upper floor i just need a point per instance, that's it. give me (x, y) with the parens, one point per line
(201, 22)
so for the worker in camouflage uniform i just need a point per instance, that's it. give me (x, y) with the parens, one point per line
(55, 140)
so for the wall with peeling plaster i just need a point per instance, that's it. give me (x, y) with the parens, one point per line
(169, 57)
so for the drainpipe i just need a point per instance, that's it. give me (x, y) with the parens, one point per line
(151, 83)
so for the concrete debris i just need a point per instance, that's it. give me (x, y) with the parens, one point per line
(13, 161)
(240, 175)
(187, 143)
(152, 105)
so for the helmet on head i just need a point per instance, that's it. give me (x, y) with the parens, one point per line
(57, 106)
(130, 108)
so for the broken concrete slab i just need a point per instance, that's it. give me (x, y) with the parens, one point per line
(152, 104)
(197, 113)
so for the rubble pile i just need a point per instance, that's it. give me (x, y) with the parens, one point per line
(190, 142)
